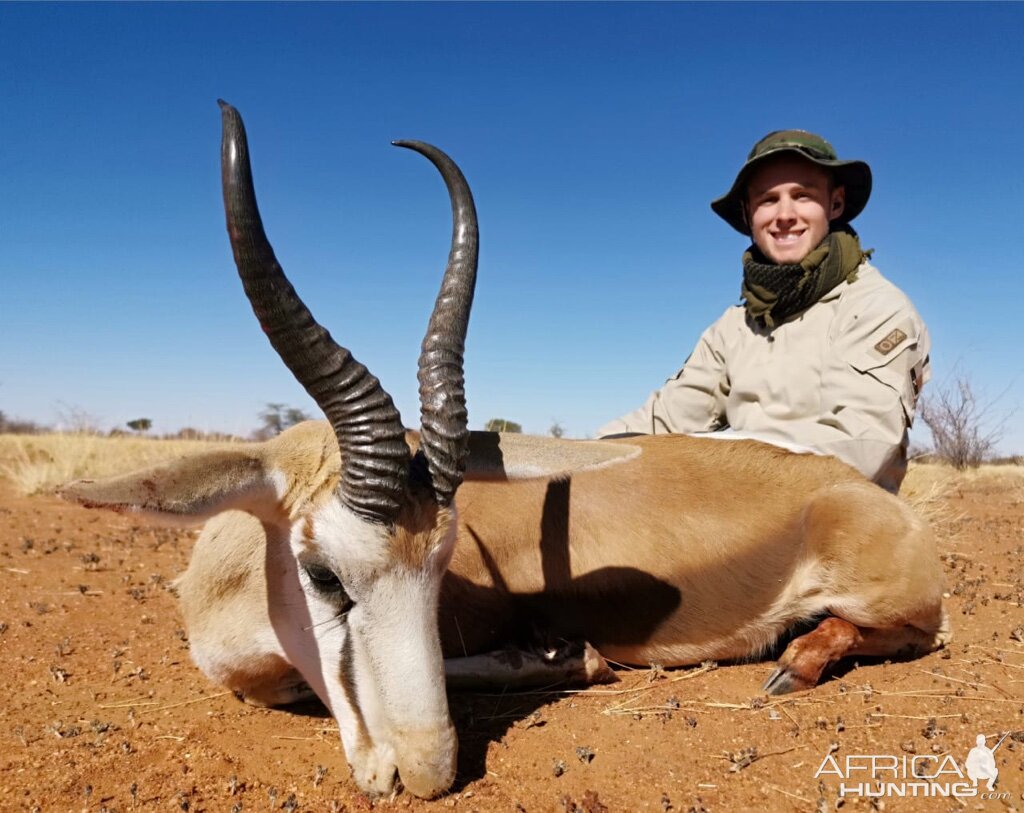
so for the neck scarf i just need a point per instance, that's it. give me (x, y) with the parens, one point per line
(773, 293)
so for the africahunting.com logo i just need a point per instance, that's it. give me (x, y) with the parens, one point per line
(918, 775)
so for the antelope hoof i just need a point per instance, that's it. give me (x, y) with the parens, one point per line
(807, 657)
(784, 680)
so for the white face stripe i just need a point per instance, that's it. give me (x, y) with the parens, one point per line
(341, 538)
(381, 670)
(349, 541)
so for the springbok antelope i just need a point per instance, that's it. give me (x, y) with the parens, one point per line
(348, 557)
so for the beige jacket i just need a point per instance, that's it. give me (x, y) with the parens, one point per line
(842, 378)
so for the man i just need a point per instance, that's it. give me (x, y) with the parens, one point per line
(981, 763)
(823, 352)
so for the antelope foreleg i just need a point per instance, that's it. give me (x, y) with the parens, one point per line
(806, 657)
(516, 668)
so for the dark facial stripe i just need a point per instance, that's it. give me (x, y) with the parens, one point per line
(347, 678)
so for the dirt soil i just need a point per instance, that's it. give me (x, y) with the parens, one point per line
(104, 710)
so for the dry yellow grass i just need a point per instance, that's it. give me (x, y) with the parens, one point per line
(925, 488)
(927, 477)
(39, 463)
(927, 485)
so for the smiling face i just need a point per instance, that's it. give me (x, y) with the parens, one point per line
(790, 204)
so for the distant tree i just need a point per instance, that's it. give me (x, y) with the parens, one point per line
(556, 430)
(964, 430)
(501, 425)
(276, 418)
(273, 419)
(15, 426)
(191, 433)
(140, 425)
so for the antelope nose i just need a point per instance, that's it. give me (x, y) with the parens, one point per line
(427, 760)
(373, 770)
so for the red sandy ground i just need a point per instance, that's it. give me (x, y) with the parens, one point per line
(104, 710)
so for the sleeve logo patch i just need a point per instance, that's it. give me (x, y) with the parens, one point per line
(891, 342)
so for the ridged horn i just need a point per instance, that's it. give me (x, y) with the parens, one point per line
(374, 454)
(444, 432)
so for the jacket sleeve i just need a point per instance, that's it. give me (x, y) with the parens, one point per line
(693, 400)
(873, 370)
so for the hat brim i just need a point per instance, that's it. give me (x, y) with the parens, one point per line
(855, 176)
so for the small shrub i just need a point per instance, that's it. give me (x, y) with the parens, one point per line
(962, 425)
(501, 425)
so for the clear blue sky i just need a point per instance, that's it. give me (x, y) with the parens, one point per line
(594, 137)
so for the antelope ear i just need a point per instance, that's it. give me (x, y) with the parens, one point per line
(502, 456)
(188, 491)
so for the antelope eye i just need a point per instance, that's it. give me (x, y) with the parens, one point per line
(324, 579)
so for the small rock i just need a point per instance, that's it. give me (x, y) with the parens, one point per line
(741, 759)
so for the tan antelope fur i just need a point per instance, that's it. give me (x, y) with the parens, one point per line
(672, 549)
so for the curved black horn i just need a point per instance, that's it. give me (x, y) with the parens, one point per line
(444, 433)
(374, 454)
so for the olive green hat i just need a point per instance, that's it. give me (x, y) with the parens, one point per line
(854, 175)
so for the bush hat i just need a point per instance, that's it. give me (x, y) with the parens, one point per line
(854, 175)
